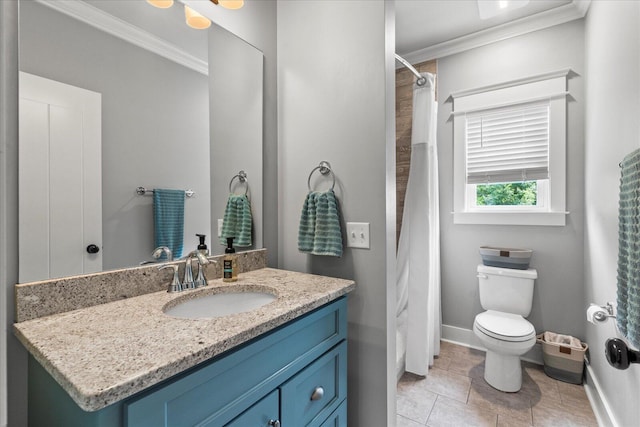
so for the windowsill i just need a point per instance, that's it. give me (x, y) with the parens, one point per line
(511, 218)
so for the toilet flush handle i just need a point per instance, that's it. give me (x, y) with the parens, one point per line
(482, 276)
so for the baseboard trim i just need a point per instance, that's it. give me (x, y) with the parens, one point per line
(467, 338)
(599, 404)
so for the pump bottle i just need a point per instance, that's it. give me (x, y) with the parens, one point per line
(230, 263)
(202, 247)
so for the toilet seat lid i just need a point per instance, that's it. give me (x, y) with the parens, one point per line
(505, 326)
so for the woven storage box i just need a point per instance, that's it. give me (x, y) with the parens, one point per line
(562, 362)
(506, 257)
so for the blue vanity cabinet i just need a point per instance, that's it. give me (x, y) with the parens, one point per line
(267, 381)
(264, 413)
(292, 376)
(338, 418)
(314, 393)
(49, 405)
(313, 397)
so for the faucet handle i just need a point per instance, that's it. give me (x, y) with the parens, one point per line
(187, 282)
(201, 280)
(157, 253)
(175, 285)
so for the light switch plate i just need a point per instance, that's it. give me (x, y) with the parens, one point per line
(358, 235)
(220, 227)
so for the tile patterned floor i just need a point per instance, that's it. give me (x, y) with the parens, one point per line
(455, 394)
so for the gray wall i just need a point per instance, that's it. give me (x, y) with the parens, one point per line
(332, 78)
(256, 24)
(612, 131)
(559, 292)
(155, 125)
(15, 399)
(236, 104)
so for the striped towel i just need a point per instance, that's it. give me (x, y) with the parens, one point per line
(168, 217)
(237, 221)
(319, 232)
(628, 317)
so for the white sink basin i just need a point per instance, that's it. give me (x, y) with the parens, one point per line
(209, 306)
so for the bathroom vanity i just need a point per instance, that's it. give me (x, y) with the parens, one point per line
(127, 363)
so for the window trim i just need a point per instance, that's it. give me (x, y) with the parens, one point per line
(549, 86)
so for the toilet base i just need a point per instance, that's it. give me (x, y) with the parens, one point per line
(503, 372)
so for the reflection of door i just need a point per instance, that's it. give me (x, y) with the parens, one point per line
(60, 179)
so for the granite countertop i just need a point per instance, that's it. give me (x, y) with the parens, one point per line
(105, 353)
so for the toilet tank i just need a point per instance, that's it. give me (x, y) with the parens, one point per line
(507, 290)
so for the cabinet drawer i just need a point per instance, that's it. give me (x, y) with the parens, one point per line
(261, 413)
(314, 393)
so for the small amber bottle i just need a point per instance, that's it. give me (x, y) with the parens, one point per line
(230, 263)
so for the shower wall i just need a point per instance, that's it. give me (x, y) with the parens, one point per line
(404, 111)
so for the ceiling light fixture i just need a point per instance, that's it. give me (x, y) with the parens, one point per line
(490, 8)
(161, 4)
(196, 20)
(229, 4)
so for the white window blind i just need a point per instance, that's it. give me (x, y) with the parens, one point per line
(506, 145)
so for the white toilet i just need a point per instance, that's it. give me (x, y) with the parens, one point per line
(507, 295)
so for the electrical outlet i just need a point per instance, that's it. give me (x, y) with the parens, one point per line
(220, 221)
(358, 235)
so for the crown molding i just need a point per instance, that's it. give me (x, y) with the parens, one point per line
(559, 15)
(103, 21)
(582, 6)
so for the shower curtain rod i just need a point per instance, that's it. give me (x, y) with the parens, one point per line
(420, 80)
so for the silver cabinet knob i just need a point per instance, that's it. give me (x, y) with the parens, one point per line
(274, 423)
(317, 393)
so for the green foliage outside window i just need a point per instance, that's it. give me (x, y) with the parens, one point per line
(507, 194)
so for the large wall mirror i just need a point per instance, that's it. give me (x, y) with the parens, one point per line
(180, 109)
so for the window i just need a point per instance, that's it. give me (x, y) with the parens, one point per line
(511, 196)
(509, 154)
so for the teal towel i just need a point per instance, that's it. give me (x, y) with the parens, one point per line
(319, 232)
(237, 222)
(168, 217)
(628, 297)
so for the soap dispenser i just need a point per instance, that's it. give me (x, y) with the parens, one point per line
(202, 247)
(230, 263)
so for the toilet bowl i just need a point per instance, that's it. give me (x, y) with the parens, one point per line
(507, 295)
(506, 337)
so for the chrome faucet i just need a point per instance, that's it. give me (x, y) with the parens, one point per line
(157, 253)
(189, 282)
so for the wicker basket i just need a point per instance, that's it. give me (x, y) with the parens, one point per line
(506, 257)
(562, 362)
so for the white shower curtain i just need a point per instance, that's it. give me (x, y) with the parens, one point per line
(418, 259)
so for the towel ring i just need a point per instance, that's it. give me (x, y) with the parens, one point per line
(325, 168)
(242, 177)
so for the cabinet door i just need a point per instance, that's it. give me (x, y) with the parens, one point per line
(313, 394)
(338, 418)
(265, 413)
